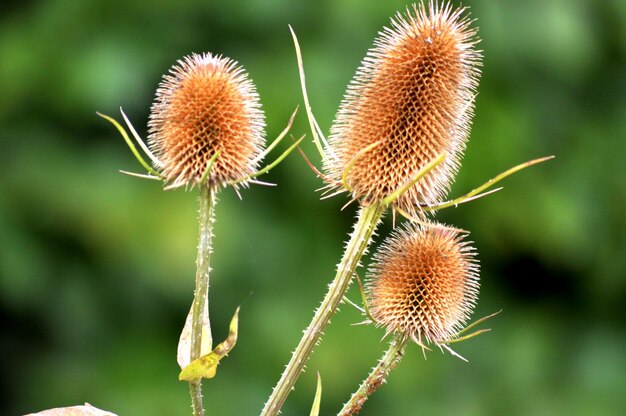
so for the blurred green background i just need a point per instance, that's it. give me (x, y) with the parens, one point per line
(97, 268)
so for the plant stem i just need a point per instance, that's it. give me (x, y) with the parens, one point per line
(378, 376)
(368, 219)
(200, 298)
(195, 389)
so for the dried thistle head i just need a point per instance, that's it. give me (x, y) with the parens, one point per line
(412, 95)
(424, 282)
(206, 104)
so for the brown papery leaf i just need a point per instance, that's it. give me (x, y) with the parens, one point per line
(86, 410)
(183, 356)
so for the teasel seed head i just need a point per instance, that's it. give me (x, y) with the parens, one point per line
(413, 95)
(424, 283)
(206, 104)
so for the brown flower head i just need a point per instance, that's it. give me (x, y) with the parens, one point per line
(204, 105)
(412, 95)
(424, 283)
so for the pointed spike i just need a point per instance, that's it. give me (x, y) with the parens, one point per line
(236, 190)
(388, 332)
(209, 166)
(478, 322)
(315, 409)
(420, 174)
(140, 175)
(307, 106)
(365, 322)
(315, 170)
(407, 215)
(462, 200)
(352, 162)
(454, 353)
(349, 302)
(347, 204)
(280, 137)
(468, 336)
(421, 345)
(174, 185)
(273, 164)
(143, 146)
(338, 192)
(364, 299)
(257, 182)
(327, 146)
(489, 184)
(130, 144)
(475, 197)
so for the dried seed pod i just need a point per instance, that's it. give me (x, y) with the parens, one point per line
(204, 105)
(412, 95)
(424, 282)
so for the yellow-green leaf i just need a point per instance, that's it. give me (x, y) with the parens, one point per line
(130, 144)
(203, 367)
(315, 409)
(206, 366)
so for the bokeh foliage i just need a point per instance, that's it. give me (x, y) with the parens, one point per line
(96, 268)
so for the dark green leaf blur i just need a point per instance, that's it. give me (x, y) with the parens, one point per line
(97, 268)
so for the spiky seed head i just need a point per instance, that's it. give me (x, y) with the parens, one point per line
(424, 282)
(414, 94)
(206, 104)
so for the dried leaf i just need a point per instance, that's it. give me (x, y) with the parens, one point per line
(206, 366)
(183, 357)
(86, 410)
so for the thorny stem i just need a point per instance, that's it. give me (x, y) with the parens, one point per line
(377, 376)
(368, 219)
(195, 389)
(200, 298)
